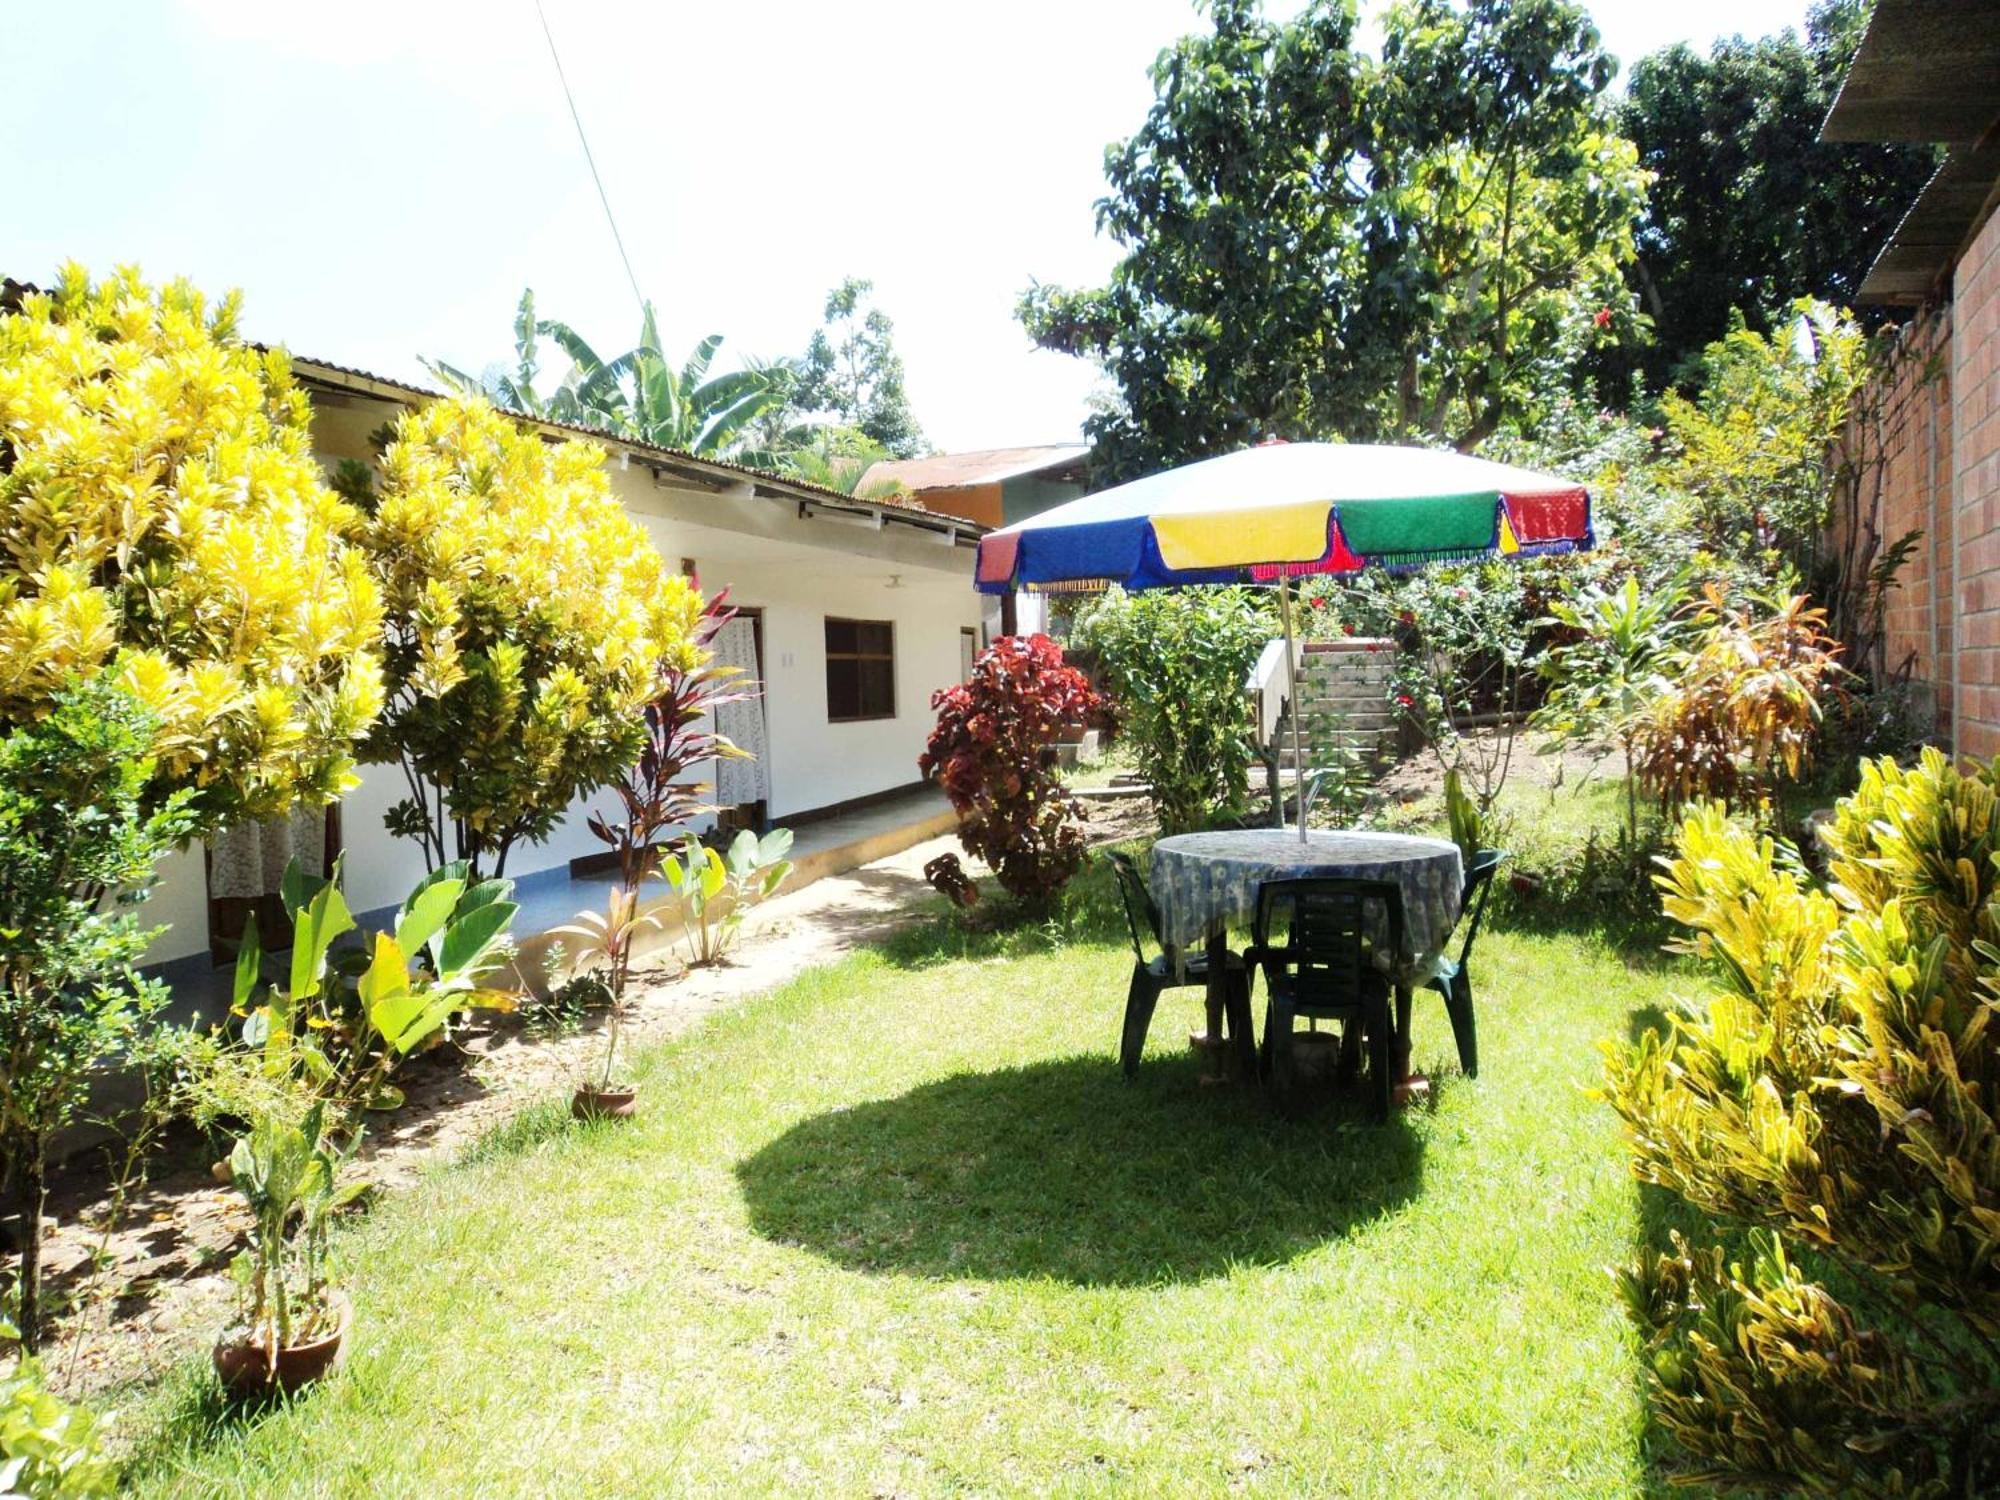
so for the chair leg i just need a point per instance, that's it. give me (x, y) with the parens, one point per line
(1278, 1039)
(1140, 999)
(1381, 1052)
(1242, 1026)
(1464, 1030)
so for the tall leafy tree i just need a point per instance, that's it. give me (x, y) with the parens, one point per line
(528, 615)
(1321, 242)
(1749, 210)
(852, 375)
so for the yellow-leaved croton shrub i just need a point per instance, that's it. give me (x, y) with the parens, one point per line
(162, 518)
(1836, 1096)
(528, 617)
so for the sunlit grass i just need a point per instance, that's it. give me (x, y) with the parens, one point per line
(900, 1228)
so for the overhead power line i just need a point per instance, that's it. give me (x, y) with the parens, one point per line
(596, 177)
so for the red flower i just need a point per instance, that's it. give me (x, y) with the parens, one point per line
(1404, 700)
(1603, 318)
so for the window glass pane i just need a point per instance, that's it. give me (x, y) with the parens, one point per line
(860, 669)
(843, 690)
(878, 688)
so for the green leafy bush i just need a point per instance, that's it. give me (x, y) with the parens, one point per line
(1837, 1093)
(1175, 661)
(1741, 710)
(1605, 679)
(528, 619)
(717, 890)
(993, 751)
(49, 1450)
(77, 851)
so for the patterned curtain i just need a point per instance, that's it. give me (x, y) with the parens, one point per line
(741, 781)
(249, 860)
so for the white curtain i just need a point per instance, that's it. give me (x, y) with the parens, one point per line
(740, 781)
(249, 860)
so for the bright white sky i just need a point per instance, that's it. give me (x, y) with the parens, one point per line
(382, 177)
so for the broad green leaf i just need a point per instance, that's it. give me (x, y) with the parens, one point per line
(483, 894)
(296, 888)
(713, 876)
(776, 845)
(325, 918)
(466, 939)
(249, 964)
(743, 853)
(425, 912)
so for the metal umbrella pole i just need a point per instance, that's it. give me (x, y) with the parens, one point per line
(1292, 682)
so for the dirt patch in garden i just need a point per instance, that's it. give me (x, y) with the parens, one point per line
(154, 1287)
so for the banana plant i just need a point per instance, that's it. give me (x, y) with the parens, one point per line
(287, 1169)
(716, 892)
(407, 984)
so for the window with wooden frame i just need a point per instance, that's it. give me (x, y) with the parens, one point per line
(860, 670)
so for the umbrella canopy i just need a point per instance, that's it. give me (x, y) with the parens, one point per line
(1285, 510)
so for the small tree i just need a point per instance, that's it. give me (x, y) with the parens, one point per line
(1604, 681)
(162, 515)
(993, 751)
(1176, 661)
(1837, 1092)
(73, 828)
(1756, 444)
(1742, 708)
(527, 617)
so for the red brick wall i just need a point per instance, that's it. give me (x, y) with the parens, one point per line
(1975, 364)
(1900, 442)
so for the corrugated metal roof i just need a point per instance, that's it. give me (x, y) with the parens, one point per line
(326, 372)
(958, 471)
(1926, 70)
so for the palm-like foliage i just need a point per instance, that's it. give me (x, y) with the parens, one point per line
(640, 394)
(838, 458)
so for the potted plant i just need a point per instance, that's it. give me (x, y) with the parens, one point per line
(291, 1326)
(314, 1051)
(609, 935)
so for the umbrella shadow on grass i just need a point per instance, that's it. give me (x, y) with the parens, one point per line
(1060, 1169)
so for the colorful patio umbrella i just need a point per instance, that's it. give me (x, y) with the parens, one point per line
(1288, 510)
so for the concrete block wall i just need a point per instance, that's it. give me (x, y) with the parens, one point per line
(1352, 678)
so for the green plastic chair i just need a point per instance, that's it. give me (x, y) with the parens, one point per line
(1151, 977)
(1326, 970)
(1453, 976)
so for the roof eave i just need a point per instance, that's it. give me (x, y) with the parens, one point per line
(704, 473)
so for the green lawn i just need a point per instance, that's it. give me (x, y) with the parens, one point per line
(901, 1229)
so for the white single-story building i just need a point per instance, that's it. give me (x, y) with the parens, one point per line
(853, 614)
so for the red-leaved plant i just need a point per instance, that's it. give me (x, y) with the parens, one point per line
(994, 753)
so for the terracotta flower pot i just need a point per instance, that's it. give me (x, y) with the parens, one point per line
(245, 1368)
(589, 1103)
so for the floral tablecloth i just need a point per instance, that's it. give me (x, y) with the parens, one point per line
(1200, 880)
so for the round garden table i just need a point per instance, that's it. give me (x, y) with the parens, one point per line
(1204, 882)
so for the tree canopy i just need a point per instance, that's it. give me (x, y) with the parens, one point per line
(1748, 209)
(852, 376)
(162, 517)
(528, 616)
(1323, 242)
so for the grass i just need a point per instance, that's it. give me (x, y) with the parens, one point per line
(899, 1228)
